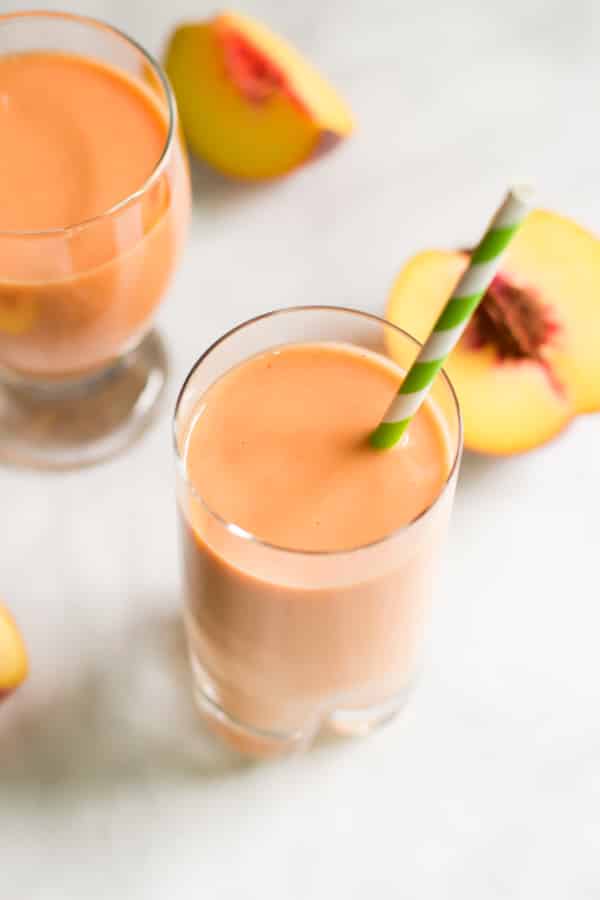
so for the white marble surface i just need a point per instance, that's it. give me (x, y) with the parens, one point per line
(489, 786)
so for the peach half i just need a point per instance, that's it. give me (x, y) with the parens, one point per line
(249, 103)
(529, 360)
(13, 656)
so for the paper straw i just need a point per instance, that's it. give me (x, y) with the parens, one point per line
(454, 318)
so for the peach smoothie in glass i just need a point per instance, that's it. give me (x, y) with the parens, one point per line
(308, 556)
(94, 203)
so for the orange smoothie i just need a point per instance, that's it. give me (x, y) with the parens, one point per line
(83, 260)
(277, 447)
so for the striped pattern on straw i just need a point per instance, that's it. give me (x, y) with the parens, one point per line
(453, 319)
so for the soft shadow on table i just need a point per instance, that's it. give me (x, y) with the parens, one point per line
(130, 718)
(476, 468)
(213, 193)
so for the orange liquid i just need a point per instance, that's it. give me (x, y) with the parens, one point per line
(278, 447)
(78, 138)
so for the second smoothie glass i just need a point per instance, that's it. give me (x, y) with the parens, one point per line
(283, 643)
(81, 371)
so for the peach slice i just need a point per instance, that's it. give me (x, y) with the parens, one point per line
(530, 358)
(13, 656)
(249, 103)
(17, 311)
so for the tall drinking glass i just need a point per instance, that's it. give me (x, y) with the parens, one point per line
(282, 642)
(81, 371)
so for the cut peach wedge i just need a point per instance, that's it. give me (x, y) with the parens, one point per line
(13, 656)
(249, 103)
(530, 358)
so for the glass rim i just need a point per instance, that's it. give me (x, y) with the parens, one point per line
(243, 533)
(156, 67)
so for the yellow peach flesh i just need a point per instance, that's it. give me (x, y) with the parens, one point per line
(237, 129)
(326, 107)
(13, 657)
(562, 260)
(508, 406)
(17, 312)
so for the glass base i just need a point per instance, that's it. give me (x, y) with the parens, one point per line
(79, 423)
(266, 744)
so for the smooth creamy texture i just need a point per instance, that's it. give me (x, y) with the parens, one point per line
(79, 137)
(280, 449)
(282, 640)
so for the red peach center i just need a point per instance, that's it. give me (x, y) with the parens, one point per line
(514, 320)
(253, 73)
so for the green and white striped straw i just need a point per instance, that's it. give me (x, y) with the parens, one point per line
(454, 318)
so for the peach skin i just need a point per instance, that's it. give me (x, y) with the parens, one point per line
(250, 105)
